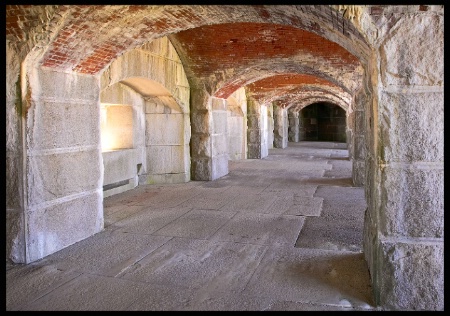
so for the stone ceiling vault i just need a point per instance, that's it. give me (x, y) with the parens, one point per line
(222, 47)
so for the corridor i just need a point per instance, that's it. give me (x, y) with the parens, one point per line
(280, 233)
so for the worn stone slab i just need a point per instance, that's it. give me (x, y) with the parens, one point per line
(419, 194)
(281, 204)
(305, 206)
(411, 275)
(350, 208)
(293, 181)
(323, 181)
(92, 293)
(412, 126)
(198, 264)
(106, 253)
(257, 203)
(408, 50)
(130, 196)
(148, 220)
(206, 203)
(70, 220)
(165, 159)
(229, 301)
(246, 302)
(58, 175)
(239, 202)
(119, 212)
(164, 298)
(341, 168)
(343, 305)
(77, 118)
(312, 276)
(301, 191)
(169, 196)
(261, 229)
(120, 165)
(210, 195)
(26, 283)
(200, 224)
(331, 234)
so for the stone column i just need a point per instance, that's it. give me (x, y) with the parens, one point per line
(266, 131)
(358, 143)
(404, 225)
(209, 149)
(62, 162)
(294, 125)
(201, 120)
(219, 138)
(253, 129)
(280, 130)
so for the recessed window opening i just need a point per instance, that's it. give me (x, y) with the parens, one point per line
(116, 126)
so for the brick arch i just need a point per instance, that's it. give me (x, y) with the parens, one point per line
(315, 99)
(225, 57)
(310, 73)
(87, 38)
(287, 87)
(304, 93)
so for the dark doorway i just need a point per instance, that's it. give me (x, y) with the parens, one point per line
(322, 122)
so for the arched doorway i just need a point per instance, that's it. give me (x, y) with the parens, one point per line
(322, 122)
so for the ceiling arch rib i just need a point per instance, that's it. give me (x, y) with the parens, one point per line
(262, 71)
(225, 57)
(301, 104)
(289, 87)
(308, 92)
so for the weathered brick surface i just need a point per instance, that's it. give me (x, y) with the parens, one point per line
(117, 28)
(275, 87)
(88, 37)
(227, 52)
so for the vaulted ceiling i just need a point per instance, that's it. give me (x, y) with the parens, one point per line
(279, 53)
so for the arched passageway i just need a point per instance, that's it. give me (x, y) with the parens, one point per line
(322, 122)
(61, 58)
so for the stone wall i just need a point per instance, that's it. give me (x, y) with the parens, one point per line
(404, 177)
(280, 130)
(14, 196)
(294, 126)
(64, 173)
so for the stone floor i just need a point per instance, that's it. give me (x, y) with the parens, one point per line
(280, 233)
